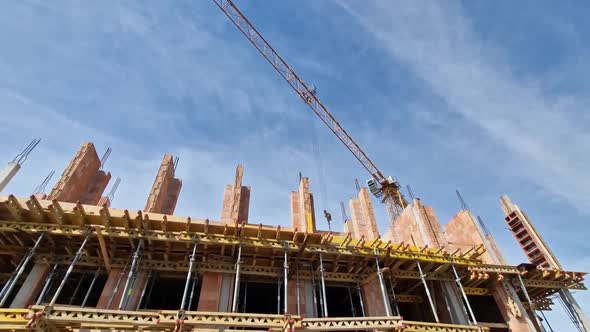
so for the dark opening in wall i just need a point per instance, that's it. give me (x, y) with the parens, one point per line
(76, 288)
(165, 293)
(414, 311)
(10, 271)
(342, 302)
(485, 309)
(13, 293)
(259, 297)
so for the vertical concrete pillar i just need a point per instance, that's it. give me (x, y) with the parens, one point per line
(30, 289)
(363, 222)
(292, 291)
(82, 180)
(109, 288)
(236, 200)
(302, 208)
(373, 299)
(210, 296)
(463, 232)
(96, 188)
(7, 173)
(418, 225)
(111, 284)
(165, 190)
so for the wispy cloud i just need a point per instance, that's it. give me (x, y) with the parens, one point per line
(439, 45)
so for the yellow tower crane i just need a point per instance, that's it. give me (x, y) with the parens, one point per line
(381, 186)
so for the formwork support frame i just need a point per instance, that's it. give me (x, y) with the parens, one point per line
(427, 289)
(70, 268)
(286, 276)
(323, 298)
(144, 288)
(131, 276)
(298, 291)
(382, 285)
(530, 303)
(47, 284)
(358, 289)
(94, 277)
(117, 285)
(9, 287)
(234, 305)
(76, 290)
(394, 296)
(190, 300)
(467, 304)
(188, 277)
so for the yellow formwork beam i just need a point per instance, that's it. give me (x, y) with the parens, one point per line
(58, 318)
(232, 240)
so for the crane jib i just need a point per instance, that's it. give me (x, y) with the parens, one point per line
(387, 187)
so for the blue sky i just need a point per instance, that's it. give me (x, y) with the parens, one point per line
(489, 98)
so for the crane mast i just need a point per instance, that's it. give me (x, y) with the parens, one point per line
(383, 187)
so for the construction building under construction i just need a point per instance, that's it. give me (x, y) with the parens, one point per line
(71, 262)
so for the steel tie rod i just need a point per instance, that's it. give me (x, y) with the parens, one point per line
(21, 270)
(188, 276)
(70, 268)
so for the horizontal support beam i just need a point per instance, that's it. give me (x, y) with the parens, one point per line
(477, 291)
(182, 267)
(76, 318)
(228, 240)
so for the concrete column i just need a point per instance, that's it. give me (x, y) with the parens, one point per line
(302, 208)
(210, 297)
(82, 180)
(96, 188)
(111, 284)
(8, 173)
(462, 232)
(373, 299)
(32, 286)
(165, 190)
(236, 200)
(292, 289)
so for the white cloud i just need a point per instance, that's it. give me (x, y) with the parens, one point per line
(438, 44)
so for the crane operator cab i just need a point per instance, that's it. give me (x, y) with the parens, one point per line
(374, 187)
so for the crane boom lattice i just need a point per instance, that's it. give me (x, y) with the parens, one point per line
(387, 187)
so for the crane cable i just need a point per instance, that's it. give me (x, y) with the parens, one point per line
(317, 155)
